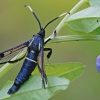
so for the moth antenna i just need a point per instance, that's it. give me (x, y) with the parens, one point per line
(56, 19)
(34, 15)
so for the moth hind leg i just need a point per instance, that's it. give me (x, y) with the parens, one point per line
(43, 76)
(44, 80)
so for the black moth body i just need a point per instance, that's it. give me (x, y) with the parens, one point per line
(35, 50)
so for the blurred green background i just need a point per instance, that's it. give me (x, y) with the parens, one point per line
(18, 25)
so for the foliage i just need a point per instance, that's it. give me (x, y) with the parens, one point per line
(86, 26)
(59, 80)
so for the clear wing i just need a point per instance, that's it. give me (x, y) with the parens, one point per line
(6, 56)
(7, 59)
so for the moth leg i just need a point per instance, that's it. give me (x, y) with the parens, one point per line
(44, 79)
(49, 53)
(39, 68)
(43, 76)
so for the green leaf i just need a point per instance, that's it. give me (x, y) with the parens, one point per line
(85, 21)
(95, 3)
(32, 89)
(66, 70)
(68, 38)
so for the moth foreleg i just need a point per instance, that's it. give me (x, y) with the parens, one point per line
(49, 53)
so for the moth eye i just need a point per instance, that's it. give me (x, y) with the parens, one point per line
(98, 63)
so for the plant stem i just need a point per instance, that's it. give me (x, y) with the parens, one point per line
(68, 38)
(8, 66)
(61, 24)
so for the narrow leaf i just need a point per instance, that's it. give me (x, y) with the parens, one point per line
(68, 38)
